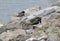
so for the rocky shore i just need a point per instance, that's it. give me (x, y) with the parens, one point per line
(33, 24)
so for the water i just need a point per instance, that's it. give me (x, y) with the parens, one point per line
(11, 7)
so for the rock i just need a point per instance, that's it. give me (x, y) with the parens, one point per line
(12, 19)
(35, 40)
(0, 39)
(29, 31)
(53, 37)
(29, 11)
(1, 25)
(31, 39)
(21, 14)
(33, 21)
(43, 37)
(42, 13)
(5, 36)
(39, 26)
(56, 4)
(21, 38)
(2, 29)
(33, 24)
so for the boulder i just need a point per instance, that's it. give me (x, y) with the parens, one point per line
(5, 36)
(29, 11)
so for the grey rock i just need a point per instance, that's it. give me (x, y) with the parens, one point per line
(35, 40)
(56, 4)
(0, 39)
(2, 29)
(21, 38)
(53, 37)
